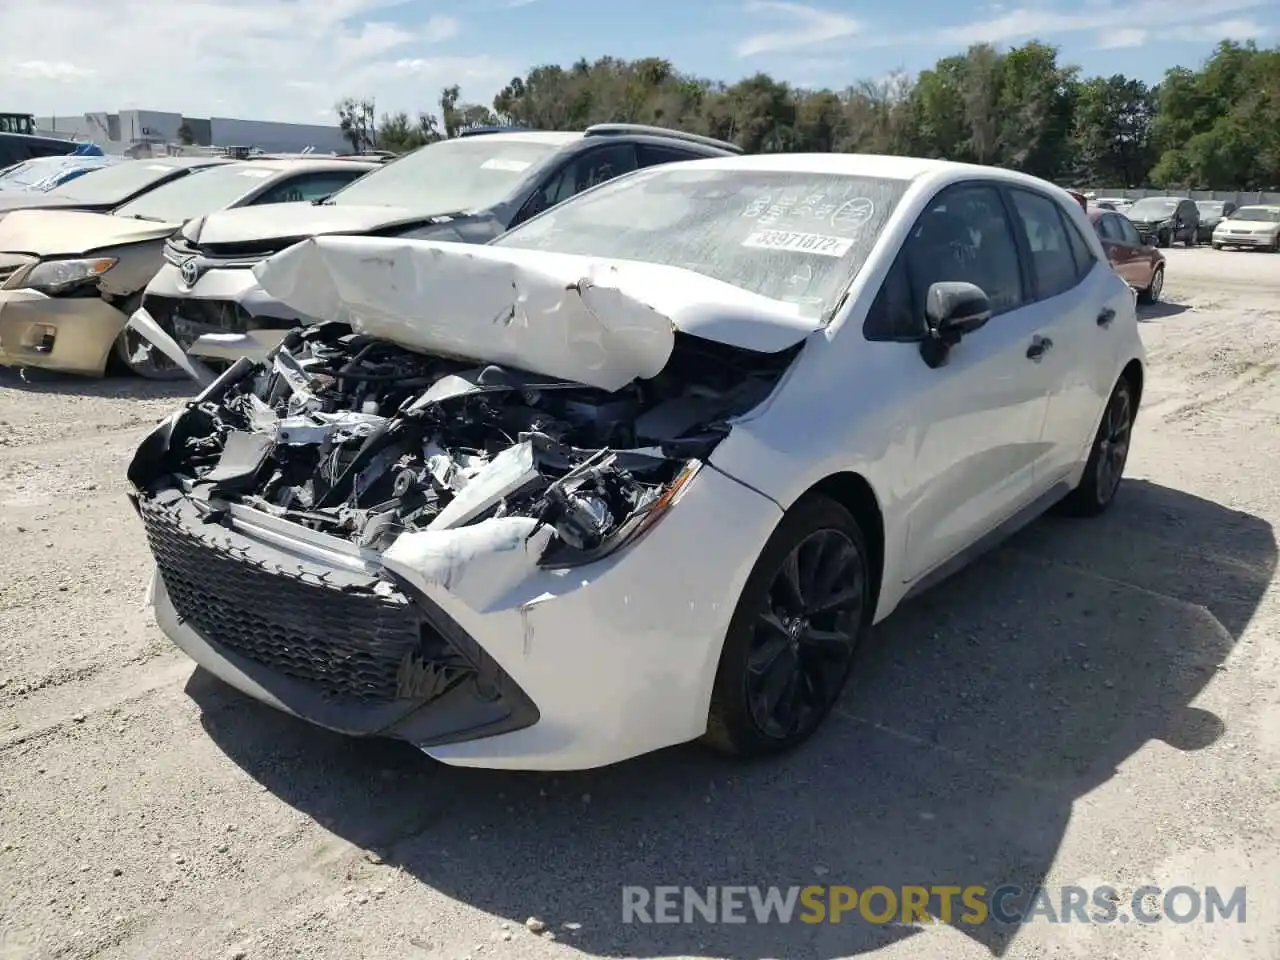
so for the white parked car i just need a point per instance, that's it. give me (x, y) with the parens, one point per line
(1253, 227)
(646, 468)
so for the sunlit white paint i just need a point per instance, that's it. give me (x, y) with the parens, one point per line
(620, 655)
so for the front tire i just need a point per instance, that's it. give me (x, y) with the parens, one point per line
(134, 353)
(791, 641)
(1107, 458)
(1162, 240)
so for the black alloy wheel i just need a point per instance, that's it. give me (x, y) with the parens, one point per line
(1113, 443)
(791, 644)
(1107, 458)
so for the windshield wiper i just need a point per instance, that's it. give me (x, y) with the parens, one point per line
(143, 216)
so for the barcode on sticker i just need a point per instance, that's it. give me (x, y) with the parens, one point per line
(799, 242)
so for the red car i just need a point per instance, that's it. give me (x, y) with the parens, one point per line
(1142, 266)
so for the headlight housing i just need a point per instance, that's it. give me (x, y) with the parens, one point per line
(561, 553)
(51, 276)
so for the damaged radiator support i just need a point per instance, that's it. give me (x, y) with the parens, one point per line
(360, 438)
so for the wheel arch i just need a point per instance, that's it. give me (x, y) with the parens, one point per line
(1134, 373)
(853, 492)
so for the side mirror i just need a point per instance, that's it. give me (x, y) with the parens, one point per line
(953, 309)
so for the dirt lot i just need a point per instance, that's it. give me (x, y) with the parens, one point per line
(1096, 702)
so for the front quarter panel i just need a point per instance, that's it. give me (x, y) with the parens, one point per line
(138, 263)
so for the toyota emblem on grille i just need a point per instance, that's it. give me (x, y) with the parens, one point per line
(190, 272)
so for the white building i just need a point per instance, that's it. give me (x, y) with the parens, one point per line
(127, 130)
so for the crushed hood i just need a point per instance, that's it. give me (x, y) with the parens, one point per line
(285, 221)
(45, 233)
(602, 323)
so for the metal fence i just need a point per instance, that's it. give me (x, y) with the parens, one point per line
(1239, 197)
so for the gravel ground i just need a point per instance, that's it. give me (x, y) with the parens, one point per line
(1095, 702)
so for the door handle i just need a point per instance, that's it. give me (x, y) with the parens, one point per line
(1039, 347)
(1106, 316)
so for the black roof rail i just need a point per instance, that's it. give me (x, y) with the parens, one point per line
(480, 131)
(619, 129)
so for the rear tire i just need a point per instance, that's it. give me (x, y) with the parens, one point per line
(1107, 457)
(1217, 246)
(790, 644)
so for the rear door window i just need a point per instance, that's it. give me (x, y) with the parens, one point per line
(1128, 232)
(1052, 258)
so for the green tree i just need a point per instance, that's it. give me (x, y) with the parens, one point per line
(1217, 125)
(1111, 140)
(355, 120)
(186, 136)
(398, 134)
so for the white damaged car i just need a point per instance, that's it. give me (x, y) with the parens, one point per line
(646, 468)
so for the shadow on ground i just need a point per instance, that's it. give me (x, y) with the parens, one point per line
(34, 380)
(979, 714)
(1160, 310)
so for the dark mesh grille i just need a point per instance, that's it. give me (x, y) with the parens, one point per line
(350, 643)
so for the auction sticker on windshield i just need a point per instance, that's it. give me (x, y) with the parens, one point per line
(501, 163)
(799, 242)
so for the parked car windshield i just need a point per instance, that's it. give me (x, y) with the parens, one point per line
(114, 184)
(1210, 208)
(1262, 214)
(198, 193)
(790, 236)
(1153, 207)
(450, 176)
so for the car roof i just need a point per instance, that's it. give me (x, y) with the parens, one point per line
(179, 162)
(880, 166)
(1259, 206)
(555, 137)
(295, 164)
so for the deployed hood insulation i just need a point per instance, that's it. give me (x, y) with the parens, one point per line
(596, 322)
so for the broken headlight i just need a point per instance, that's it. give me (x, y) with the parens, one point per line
(586, 530)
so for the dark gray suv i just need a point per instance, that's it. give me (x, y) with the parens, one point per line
(1162, 221)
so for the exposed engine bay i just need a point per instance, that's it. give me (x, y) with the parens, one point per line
(360, 438)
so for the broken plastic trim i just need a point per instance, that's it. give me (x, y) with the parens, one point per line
(561, 555)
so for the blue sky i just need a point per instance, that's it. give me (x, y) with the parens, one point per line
(834, 43)
(292, 59)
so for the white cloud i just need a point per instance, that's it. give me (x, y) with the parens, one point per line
(1026, 22)
(1202, 21)
(806, 27)
(1238, 29)
(1121, 39)
(254, 59)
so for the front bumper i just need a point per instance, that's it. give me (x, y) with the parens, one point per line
(223, 316)
(546, 670)
(67, 334)
(1150, 233)
(1245, 239)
